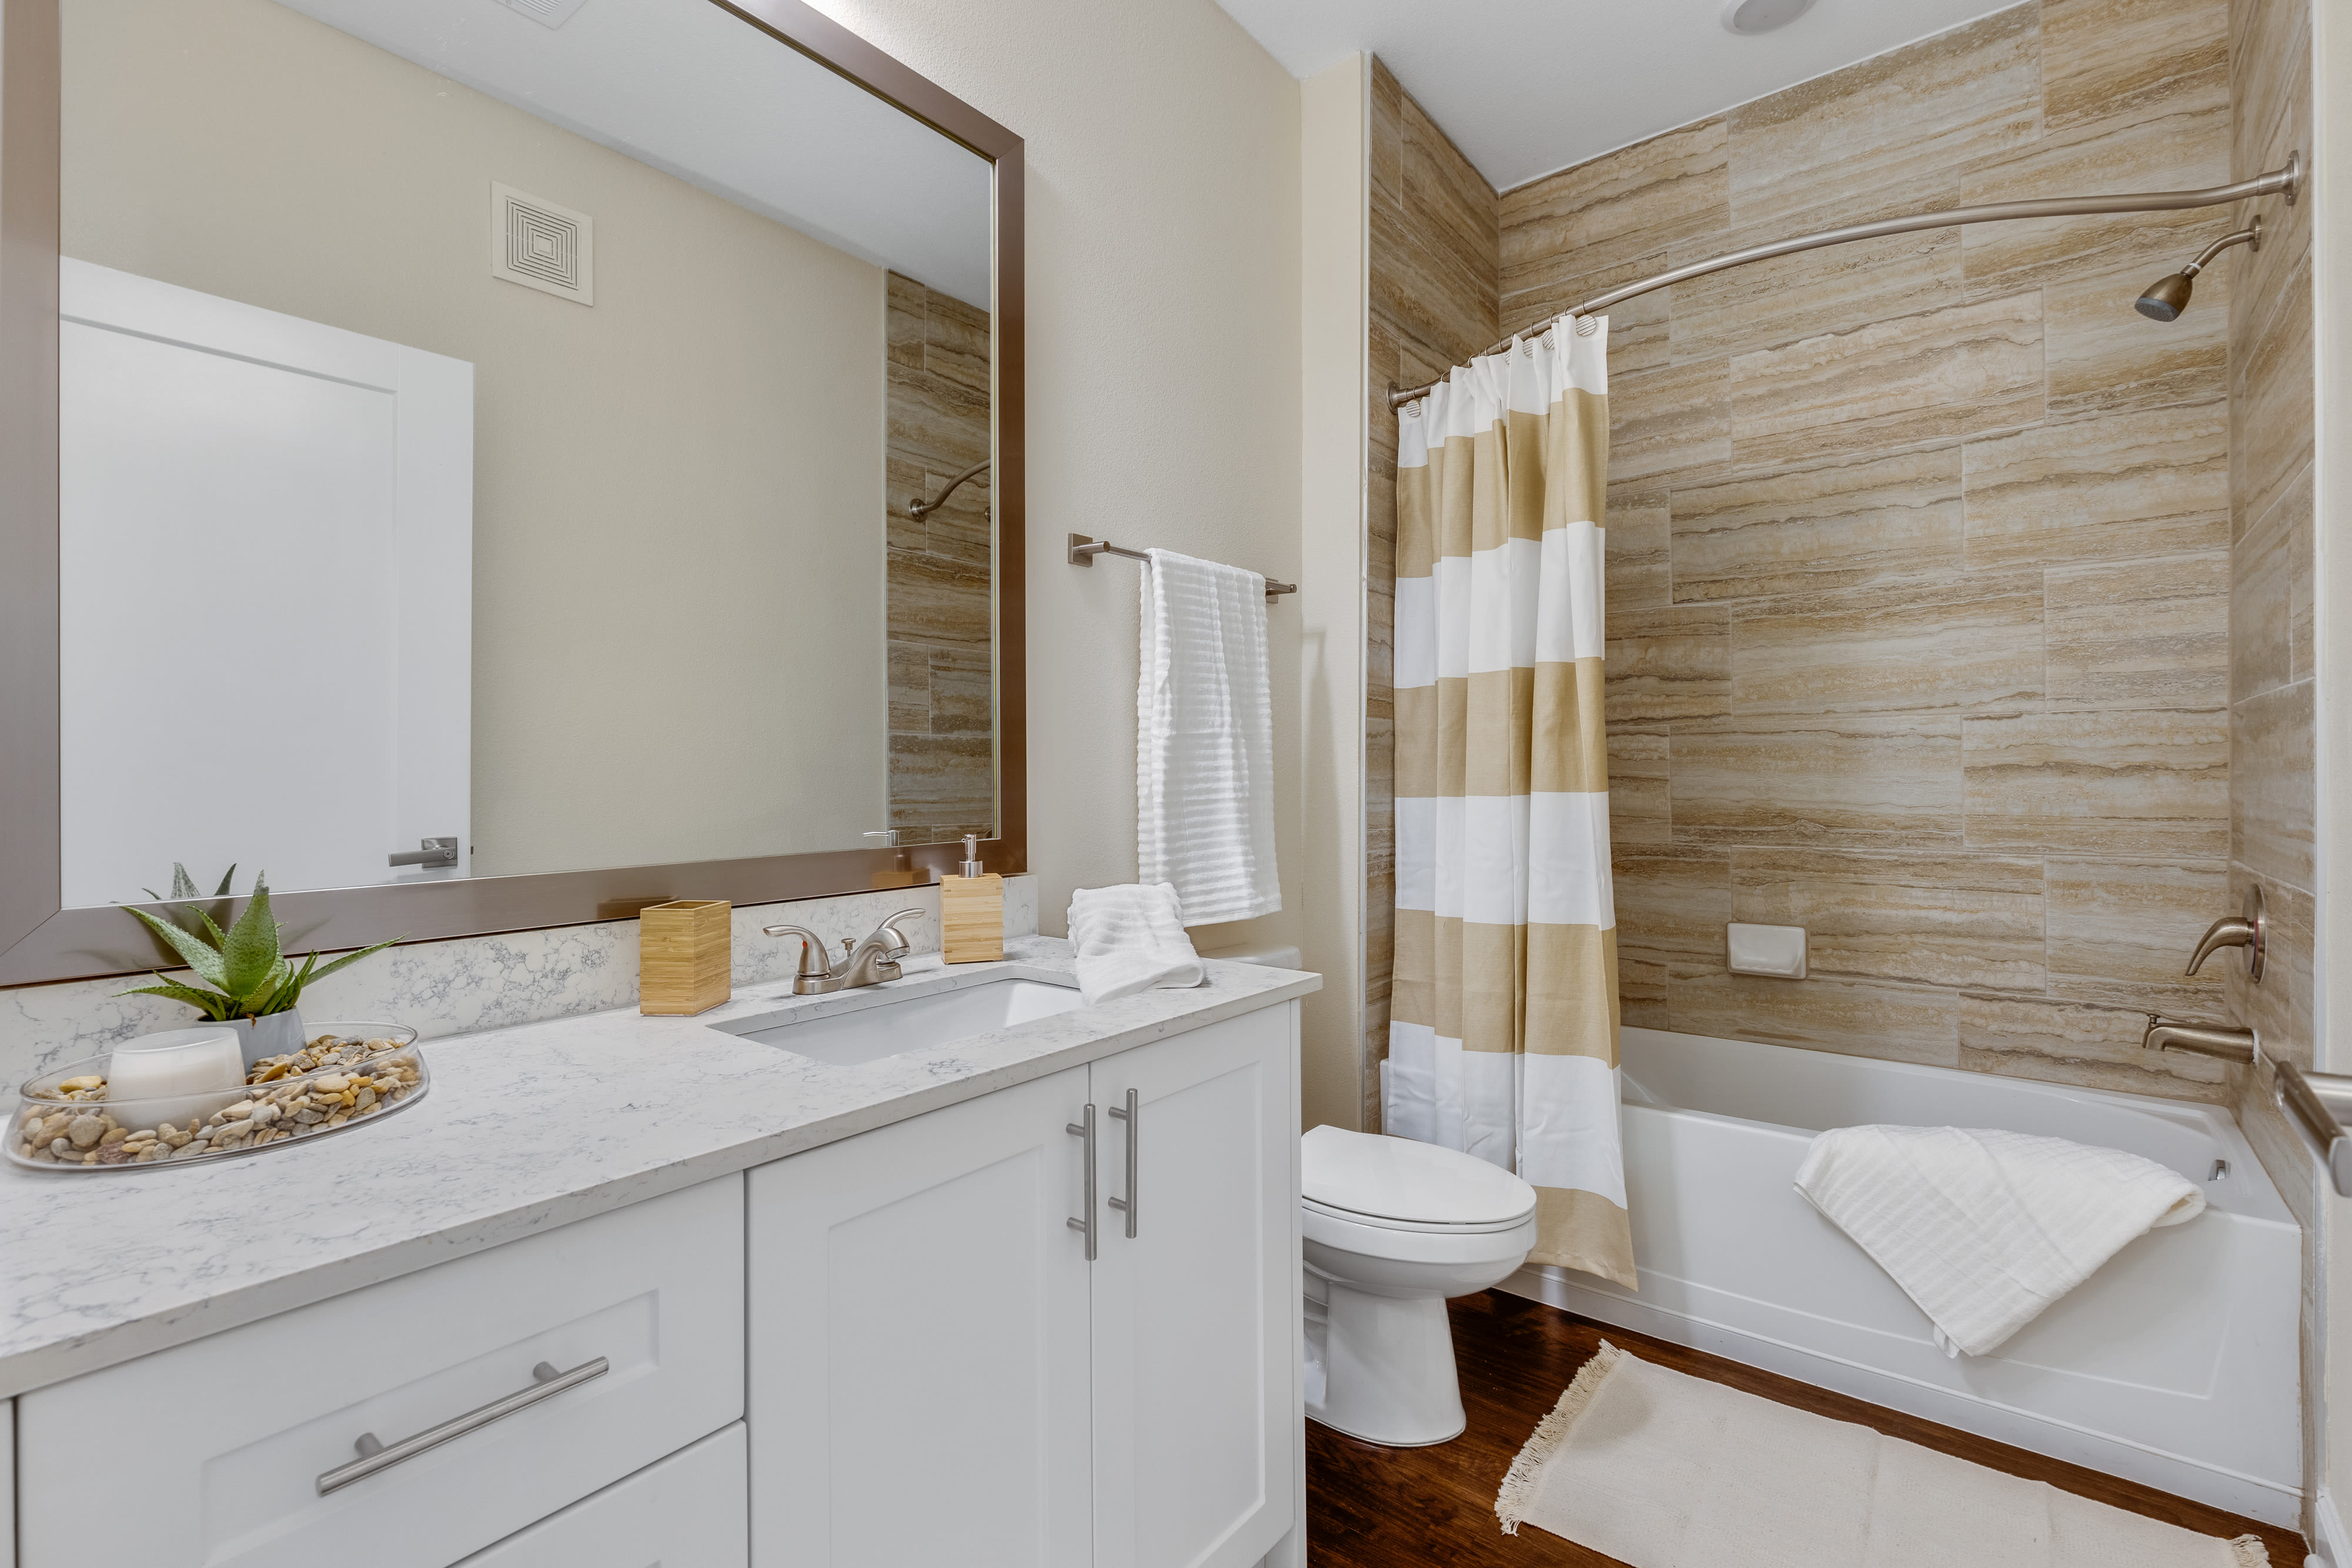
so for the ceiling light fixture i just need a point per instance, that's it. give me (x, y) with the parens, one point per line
(1750, 17)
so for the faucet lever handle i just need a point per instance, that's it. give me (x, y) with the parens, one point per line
(896, 935)
(2249, 930)
(813, 963)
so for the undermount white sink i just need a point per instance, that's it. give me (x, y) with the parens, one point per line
(892, 1026)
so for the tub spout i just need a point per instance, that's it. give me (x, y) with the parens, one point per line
(2238, 1045)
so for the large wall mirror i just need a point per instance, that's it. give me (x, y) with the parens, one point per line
(513, 460)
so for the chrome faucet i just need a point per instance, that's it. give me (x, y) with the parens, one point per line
(869, 962)
(2240, 1045)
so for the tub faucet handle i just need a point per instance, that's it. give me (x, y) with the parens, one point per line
(2249, 930)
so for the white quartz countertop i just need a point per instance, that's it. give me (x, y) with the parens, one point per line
(525, 1129)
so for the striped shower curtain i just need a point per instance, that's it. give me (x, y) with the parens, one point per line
(1503, 1019)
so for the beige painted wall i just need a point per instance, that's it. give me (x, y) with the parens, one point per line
(1163, 366)
(1335, 109)
(679, 551)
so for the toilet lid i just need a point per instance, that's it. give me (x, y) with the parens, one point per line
(1397, 1178)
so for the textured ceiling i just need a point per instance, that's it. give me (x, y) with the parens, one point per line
(1527, 87)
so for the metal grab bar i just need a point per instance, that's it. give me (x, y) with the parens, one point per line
(376, 1455)
(2320, 1101)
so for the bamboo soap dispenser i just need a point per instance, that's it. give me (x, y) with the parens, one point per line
(971, 911)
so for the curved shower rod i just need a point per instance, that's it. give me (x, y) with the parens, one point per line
(921, 508)
(2286, 180)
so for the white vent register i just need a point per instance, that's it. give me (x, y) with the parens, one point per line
(541, 245)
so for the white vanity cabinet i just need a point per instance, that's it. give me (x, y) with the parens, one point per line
(939, 1373)
(223, 1452)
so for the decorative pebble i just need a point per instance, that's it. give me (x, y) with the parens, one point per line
(353, 1077)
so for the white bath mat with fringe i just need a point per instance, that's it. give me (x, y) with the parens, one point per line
(1659, 1469)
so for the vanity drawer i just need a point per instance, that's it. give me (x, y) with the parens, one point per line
(691, 1510)
(211, 1453)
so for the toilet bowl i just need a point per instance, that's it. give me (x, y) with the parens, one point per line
(1391, 1227)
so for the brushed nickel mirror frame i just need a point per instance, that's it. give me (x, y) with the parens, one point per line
(41, 941)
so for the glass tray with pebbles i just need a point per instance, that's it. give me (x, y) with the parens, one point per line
(349, 1075)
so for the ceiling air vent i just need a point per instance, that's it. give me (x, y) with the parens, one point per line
(546, 12)
(541, 245)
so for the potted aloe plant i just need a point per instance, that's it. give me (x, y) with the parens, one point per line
(255, 987)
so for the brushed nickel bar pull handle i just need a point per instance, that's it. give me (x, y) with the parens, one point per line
(376, 1455)
(1126, 1204)
(1086, 1130)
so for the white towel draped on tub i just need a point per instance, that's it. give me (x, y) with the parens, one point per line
(1985, 1228)
(1128, 939)
(1204, 740)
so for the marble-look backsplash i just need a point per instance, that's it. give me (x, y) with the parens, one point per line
(469, 983)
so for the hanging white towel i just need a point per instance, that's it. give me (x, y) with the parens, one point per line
(1204, 740)
(1130, 938)
(1984, 1228)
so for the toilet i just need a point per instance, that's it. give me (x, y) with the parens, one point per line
(1391, 1228)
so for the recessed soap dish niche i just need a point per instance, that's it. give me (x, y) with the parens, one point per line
(542, 244)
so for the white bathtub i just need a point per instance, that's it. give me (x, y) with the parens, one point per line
(2174, 1365)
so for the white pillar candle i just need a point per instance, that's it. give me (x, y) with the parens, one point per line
(179, 1076)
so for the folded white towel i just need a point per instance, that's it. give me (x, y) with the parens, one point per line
(1984, 1228)
(1204, 740)
(1130, 938)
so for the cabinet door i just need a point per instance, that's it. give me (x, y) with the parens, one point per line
(918, 1342)
(685, 1512)
(1196, 1317)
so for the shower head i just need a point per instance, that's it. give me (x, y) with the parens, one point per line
(2167, 297)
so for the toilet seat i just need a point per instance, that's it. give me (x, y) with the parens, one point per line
(1398, 1183)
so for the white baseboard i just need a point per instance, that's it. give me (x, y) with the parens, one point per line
(2266, 1501)
(2333, 1548)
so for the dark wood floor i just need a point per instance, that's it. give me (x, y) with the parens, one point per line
(1370, 1507)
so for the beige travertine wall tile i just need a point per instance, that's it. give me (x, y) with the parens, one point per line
(1956, 372)
(936, 602)
(2302, 571)
(2109, 488)
(2272, 118)
(1960, 921)
(1885, 125)
(2104, 61)
(1669, 664)
(2139, 783)
(2185, 148)
(1641, 813)
(906, 302)
(1828, 524)
(2273, 764)
(1852, 781)
(1766, 304)
(2151, 633)
(1449, 204)
(1856, 1018)
(2271, 434)
(1915, 646)
(2268, 568)
(1637, 200)
(1672, 906)
(2120, 932)
(1424, 290)
(1637, 574)
(2076, 1043)
(2103, 355)
(1670, 421)
(934, 420)
(956, 342)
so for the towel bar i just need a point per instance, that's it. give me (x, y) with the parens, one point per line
(1083, 551)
